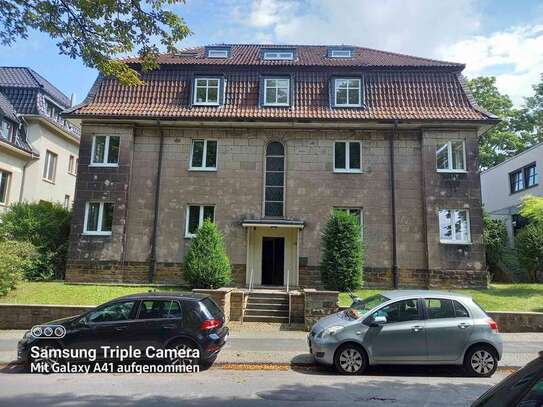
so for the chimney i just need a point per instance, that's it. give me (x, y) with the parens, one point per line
(72, 100)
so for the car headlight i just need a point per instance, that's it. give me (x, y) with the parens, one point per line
(332, 330)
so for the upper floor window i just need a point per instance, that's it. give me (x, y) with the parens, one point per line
(347, 156)
(347, 92)
(72, 169)
(274, 188)
(451, 156)
(218, 52)
(523, 178)
(279, 54)
(6, 129)
(98, 218)
(340, 53)
(454, 226)
(204, 155)
(207, 91)
(4, 187)
(50, 166)
(195, 218)
(276, 92)
(105, 151)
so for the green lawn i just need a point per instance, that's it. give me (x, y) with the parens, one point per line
(499, 297)
(71, 294)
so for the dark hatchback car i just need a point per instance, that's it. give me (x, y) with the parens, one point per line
(523, 388)
(160, 320)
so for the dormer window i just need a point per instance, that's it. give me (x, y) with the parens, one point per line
(278, 54)
(347, 92)
(340, 53)
(218, 52)
(275, 91)
(208, 91)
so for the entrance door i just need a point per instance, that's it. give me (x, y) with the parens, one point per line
(273, 260)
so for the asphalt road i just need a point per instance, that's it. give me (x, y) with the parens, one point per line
(307, 387)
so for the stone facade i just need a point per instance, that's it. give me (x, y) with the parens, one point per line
(25, 316)
(318, 304)
(312, 189)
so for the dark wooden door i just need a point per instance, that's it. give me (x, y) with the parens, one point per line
(273, 260)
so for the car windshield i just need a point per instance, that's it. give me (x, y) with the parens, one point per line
(361, 307)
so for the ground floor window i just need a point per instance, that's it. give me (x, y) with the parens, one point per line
(4, 187)
(98, 218)
(454, 226)
(195, 218)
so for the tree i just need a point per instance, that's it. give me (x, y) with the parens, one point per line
(532, 208)
(206, 262)
(342, 253)
(495, 240)
(529, 244)
(501, 141)
(98, 30)
(531, 122)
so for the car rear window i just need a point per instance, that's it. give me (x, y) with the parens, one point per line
(212, 308)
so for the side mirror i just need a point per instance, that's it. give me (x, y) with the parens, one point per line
(379, 321)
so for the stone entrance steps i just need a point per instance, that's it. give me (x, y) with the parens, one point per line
(266, 307)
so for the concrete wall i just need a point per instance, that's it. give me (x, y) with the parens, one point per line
(14, 164)
(312, 190)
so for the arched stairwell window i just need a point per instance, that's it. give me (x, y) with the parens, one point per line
(274, 186)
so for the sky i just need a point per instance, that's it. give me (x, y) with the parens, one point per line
(503, 38)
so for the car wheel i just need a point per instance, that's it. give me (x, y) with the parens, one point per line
(350, 359)
(47, 363)
(480, 361)
(184, 345)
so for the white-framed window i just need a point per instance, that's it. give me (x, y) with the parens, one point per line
(358, 214)
(274, 183)
(454, 226)
(276, 91)
(347, 156)
(284, 55)
(4, 186)
(203, 155)
(50, 166)
(66, 201)
(207, 91)
(341, 53)
(195, 218)
(451, 156)
(217, 53)
(347, 92)
(98, 218)
(105, 151)
(71, 165)
(6, 129)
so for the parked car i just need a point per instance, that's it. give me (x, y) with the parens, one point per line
(522, 388)
(409, 327)
(154, 319)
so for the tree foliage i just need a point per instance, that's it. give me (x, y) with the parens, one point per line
(532, 208)
(342, 259)
(495, 240)
(98, 30)
(206, 263)
(529, 244)
(47, 227)
(16, 259)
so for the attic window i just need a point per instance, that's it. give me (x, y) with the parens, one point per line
(278, 54)
(340, 53)
(218, 52)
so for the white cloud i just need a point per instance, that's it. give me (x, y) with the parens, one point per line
(266, 13)
(514, 56)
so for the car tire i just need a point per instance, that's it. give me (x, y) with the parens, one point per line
(350, 359)
(184, 344)
(46, 361)
(480, 361)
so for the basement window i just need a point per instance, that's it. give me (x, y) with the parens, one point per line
(454, 226)
(195, 218)
(98, 218)
(105, 151)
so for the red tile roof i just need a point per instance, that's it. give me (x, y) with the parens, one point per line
(395, 87)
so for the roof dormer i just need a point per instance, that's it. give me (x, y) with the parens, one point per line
(218, 52)
(278, 54)
(340, 52)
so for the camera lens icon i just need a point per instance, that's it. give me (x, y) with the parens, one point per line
(60, 331)
(37, 331)
(48, 331)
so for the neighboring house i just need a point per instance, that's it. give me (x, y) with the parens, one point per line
(504, 185)
(39, 149)
(266, 141)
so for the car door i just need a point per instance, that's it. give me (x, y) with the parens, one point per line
(108, 325)
(448, 328)
(402, 337)
(157, 322)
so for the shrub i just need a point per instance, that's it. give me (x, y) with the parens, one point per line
(529, 244)
(44, 225)
(495, 240)
(16, 258)
(342, 253)
(206, 262)
(532, 208)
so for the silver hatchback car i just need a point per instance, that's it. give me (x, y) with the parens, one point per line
(409, 327)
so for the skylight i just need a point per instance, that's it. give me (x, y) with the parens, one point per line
(340, 53)
(218, 52)
(279, 54)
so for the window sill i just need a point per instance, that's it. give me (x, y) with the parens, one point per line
(190, 236)
(96, 233)
(203, 169)
(206, 104)
(103, 165)
(347, 171)
(71, 173)
(48, 181)
(457, 243)
(347, 106)
(452, 171)
(276, 105)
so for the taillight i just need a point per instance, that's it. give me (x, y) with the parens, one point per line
(210, 324)
(493, 325)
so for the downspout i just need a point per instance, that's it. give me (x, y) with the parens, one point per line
(395, 271)
(23, 177)
(127, 200)
(152, 259)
